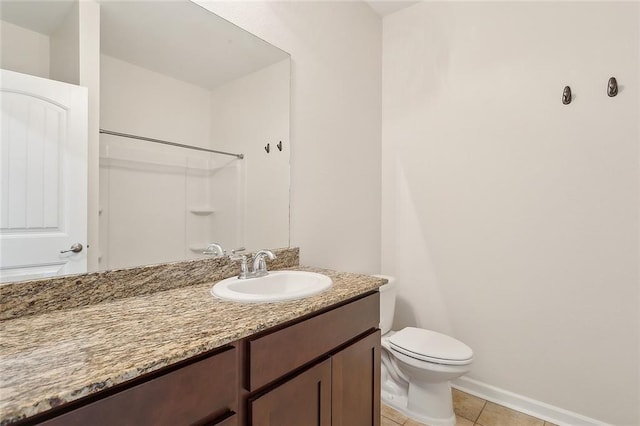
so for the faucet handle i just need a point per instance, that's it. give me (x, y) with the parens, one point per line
(239, 249)
(244, 269)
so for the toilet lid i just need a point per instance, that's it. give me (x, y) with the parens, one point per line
(430, 346)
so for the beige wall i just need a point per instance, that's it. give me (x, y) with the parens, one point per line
(65, 43)
(23, 50)
(335, 52)
(511, 220)
(144, 102)
(246, 114)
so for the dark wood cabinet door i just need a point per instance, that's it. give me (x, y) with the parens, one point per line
(356, 383)
(201, 393)
(304, 400)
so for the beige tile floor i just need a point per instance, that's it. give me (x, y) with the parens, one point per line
(470, 411)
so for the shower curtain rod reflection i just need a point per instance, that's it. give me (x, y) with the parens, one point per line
(179, 145)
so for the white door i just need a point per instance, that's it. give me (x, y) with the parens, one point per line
(43, 177)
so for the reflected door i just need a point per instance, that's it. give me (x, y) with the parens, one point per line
(43, 158)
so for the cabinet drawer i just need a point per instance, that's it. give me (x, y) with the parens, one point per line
(194, 394)
(278, 353)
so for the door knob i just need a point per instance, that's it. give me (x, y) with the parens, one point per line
(76, 248)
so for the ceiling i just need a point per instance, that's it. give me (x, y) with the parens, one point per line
(384, 8)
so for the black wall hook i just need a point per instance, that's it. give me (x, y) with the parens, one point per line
(566, 95)
(267, 148)
(279, 146)
(612, 87)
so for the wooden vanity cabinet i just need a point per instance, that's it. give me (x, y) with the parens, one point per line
(322, 369)
(335, 357)
(342, 390)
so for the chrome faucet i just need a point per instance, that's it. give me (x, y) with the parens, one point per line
(215, 250)
(259, 266)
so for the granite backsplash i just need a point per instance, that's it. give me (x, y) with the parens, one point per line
(73, 291)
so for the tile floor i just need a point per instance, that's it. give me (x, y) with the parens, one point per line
(470, 411)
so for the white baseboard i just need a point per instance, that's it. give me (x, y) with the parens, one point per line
(526, 405)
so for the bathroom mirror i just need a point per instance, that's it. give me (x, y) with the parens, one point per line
(172, 71)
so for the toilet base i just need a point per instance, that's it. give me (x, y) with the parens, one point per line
(439, 399)
(400, 404)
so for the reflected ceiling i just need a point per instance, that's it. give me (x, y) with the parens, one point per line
(129, 31)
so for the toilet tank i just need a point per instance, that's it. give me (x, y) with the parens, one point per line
(387, 303)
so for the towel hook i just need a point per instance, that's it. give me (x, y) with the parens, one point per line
(267, 148)
(612, 87)
(566, 95)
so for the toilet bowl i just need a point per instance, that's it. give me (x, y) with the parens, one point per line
(418, 365)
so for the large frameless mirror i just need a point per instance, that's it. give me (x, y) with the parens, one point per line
(194, 129)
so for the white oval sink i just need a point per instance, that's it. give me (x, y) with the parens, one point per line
(276, 286)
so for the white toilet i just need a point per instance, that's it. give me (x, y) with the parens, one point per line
(417, 365)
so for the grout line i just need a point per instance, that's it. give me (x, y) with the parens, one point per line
(475, 422)
(481, 410)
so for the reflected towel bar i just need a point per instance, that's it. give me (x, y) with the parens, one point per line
(179, 145)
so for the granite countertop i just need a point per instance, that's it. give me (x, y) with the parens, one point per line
(53, 358)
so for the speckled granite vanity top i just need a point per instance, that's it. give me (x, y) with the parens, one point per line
(56, 357)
